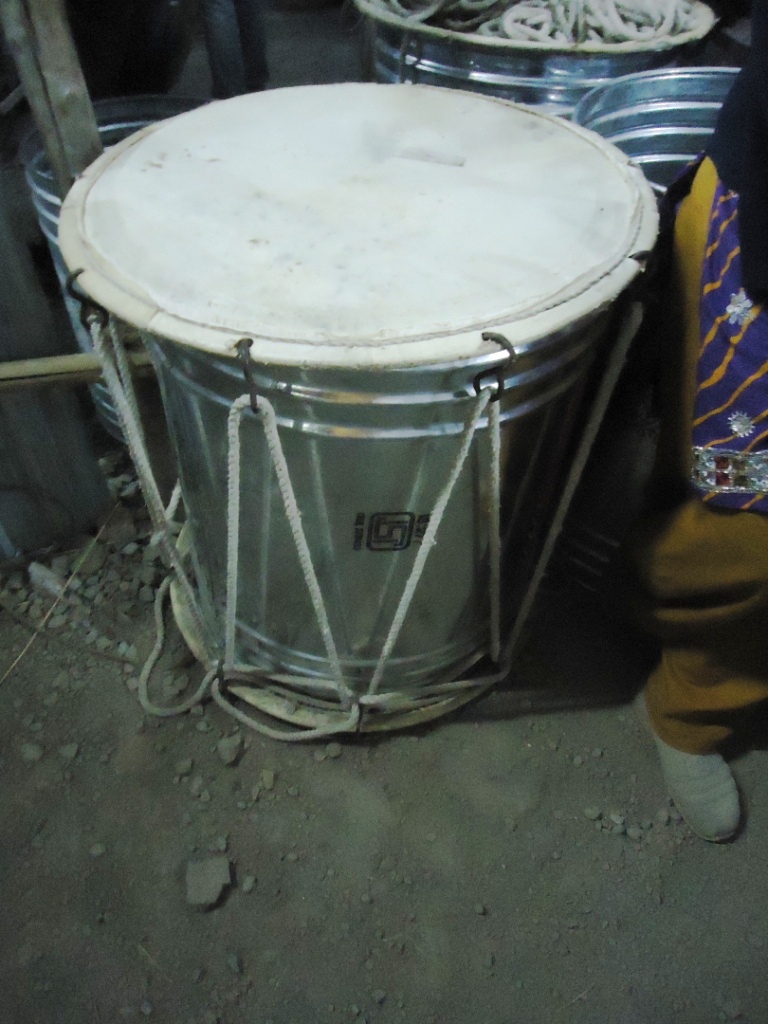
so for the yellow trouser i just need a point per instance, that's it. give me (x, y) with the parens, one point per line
(703, 573)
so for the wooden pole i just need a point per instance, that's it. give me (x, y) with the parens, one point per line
(38, 36)
(61, 371)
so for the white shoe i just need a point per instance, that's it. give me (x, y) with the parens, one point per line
(702, 786)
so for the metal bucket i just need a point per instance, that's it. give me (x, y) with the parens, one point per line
(661, 119)
(117, 119)
(372, 256)
(551, 78)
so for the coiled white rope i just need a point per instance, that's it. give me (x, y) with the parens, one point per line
(553, 21)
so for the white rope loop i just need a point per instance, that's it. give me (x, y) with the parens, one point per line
(429, 539)
(107, 344)
(266, 414)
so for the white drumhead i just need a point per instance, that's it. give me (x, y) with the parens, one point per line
(357, 224)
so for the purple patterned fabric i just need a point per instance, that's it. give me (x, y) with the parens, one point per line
(730, 425)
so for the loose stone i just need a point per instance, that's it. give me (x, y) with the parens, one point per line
(31, 752)
(230, 748)
(206, 881)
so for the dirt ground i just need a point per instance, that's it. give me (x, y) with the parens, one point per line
(515, 862)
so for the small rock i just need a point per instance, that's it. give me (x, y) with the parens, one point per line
(97, 850)
(120, 530)
(593, 813)
(146, 594)
(249, 883)
(203, 725)
(44, 580)
(319, 756)
(662, 816)
(184, 767)
(378, 996)
(92, 560)
(293, 791)
(31, 752)
(635, 832)
(267, 778)
(207, 880)
(578, 761)
(597, 752)
(234, 963)
(230, 748)
(617, 819)
(69, 751)
(481, 909)
(333, 750)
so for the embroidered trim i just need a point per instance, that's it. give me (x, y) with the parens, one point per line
(740, 310)
(730, 472)
(741, 424)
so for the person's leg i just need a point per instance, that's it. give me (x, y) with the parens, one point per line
(706, 575)
(702, 574)
(225, 55)
(250, 21)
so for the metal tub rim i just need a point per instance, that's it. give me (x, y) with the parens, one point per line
(607, 98)
(705, 14)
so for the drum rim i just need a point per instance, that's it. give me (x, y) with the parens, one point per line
(465, 344)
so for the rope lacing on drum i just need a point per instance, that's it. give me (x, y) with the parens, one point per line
(222, 667)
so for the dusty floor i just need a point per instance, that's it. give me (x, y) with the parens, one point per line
(516, 863)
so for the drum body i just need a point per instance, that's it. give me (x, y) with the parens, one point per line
(369, 452)
(416, 260)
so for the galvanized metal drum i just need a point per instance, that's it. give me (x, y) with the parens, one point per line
(549, 75)
(333, 282)
(661, 119)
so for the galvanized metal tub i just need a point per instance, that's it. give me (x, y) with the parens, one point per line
(661, 119)
(553, 78)
(365, 277)
(117, 119)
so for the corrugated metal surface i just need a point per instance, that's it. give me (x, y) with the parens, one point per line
(662, 119)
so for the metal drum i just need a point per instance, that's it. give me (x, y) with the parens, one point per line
(116, 119)
(552, 77)
(358, 262)
(661, 119)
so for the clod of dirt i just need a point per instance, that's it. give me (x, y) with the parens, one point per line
(206, 881)
(593, 813)
(333, 750)
(31, 752)
(69, 751)
(230, 748)
(249, 883)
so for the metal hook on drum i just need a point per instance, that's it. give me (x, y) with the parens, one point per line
(89, 310)
(243, 354)
(496, 371)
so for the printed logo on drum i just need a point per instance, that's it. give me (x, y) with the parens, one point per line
(389, 531)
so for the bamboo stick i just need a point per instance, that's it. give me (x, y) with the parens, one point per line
(61, 371)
